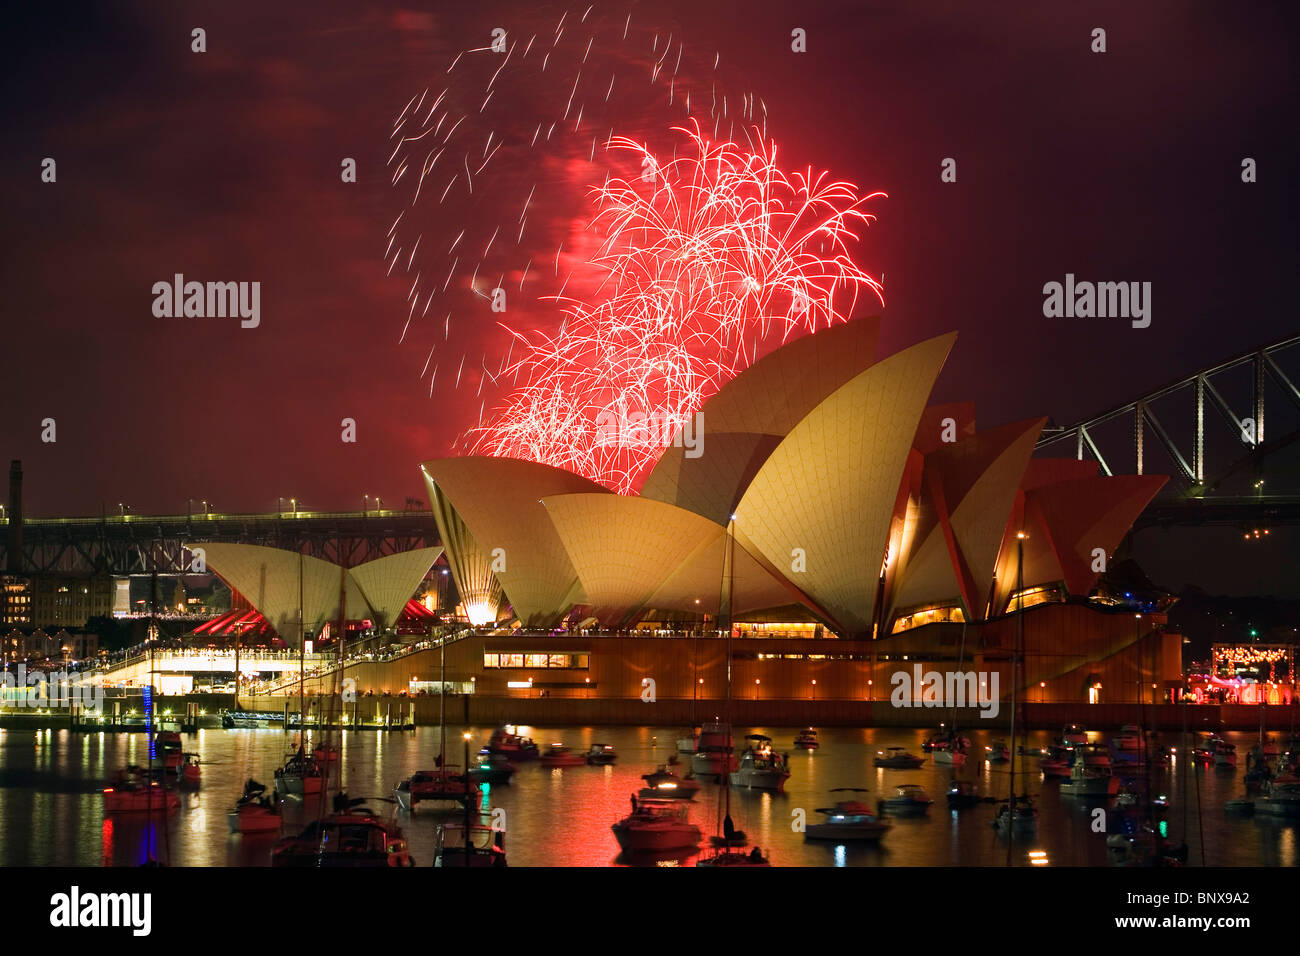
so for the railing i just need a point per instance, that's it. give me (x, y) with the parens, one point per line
(395, 652)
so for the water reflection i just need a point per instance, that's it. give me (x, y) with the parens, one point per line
(50, 783)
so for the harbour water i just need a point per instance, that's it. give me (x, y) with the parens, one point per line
(52, 812)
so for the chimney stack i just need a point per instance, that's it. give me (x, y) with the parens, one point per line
(14, 558)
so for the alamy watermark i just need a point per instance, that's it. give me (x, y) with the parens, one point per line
(41, 690)
(199, 300)
(1086, 300)
(947, 689)
(616, 429)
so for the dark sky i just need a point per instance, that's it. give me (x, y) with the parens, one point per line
(225, 166)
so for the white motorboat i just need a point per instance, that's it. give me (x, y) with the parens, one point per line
(1090, 779)
(688, 745)
(1024, 822)
(663, 784)
(601, 755)
(656, 825)
(849, 821)
(910, 798)
(999, 752)
(951, 758)
(760, 767)
(715, 754)
(1283, 799)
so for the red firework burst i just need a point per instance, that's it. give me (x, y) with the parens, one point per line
(707, 258)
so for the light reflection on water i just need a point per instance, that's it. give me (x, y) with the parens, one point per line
(51, 810)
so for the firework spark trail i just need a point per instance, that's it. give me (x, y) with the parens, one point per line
(722, 247)
(673, 287)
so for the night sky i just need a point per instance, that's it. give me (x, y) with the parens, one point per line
(225, 166)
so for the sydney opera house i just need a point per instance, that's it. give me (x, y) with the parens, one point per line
(833, 519)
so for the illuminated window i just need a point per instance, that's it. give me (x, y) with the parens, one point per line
(929, 615)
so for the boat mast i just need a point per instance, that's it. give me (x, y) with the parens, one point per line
(728, 558)
(1015, 651)
(302, 664)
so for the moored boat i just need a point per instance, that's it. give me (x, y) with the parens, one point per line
(663, 784)
(655, 825)
(760, 767)
(999, 752)
(486, 845)
(506, 743)
(1129, 738)
(1283, 799)
(300, 775)
(1090, 779)
(807, 739)
(1225, 756)
(558, 755)
(191, 771)
(908, 799)
(896, 758)
(355, 837)
(490, 769)
(445, 787)
(169, 750)
(1057, 762)
(254, 812)
(963, 794)
(849, 821)
(1023, 822)
(133, 792)
(601, 755)
(1072, 734)
(715, 754)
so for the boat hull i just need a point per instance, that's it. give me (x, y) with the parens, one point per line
(253, 820)
(653, 839)
(291, 783)
(949, 757)
(139, 801)
(847, 833)
(713, 764)
(759, 779)
(1091, 787)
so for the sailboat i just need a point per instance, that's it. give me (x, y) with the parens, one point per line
(726, 847)
(300, 775)
(952, 749)
(445, 786)
(352, 835)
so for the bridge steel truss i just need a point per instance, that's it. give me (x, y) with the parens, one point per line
(1249, 428)
(1191, 484)
(140, 544)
